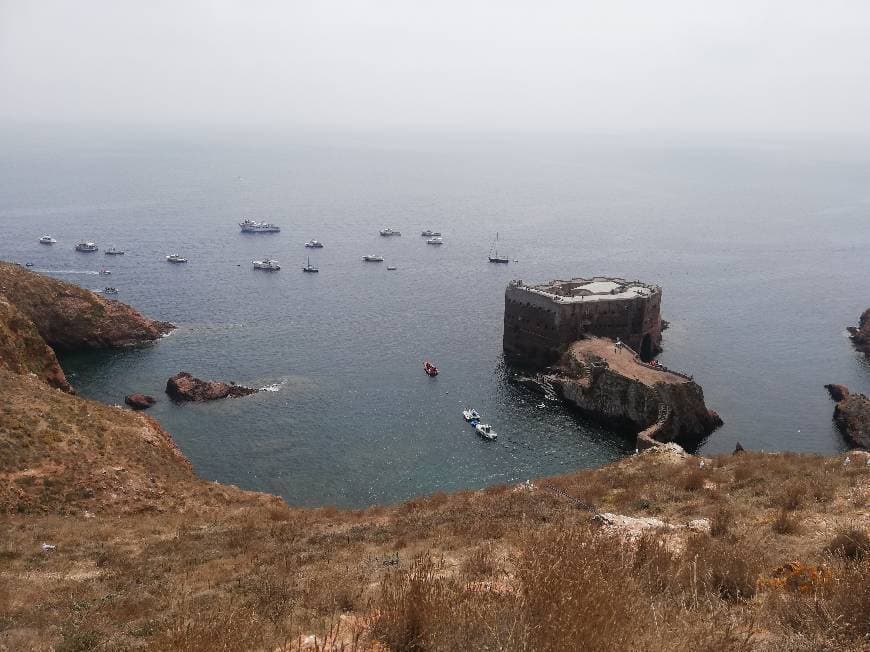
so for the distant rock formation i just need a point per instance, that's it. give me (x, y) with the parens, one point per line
(139, 401)
(852, 415)
(71, 318)
(183, 386)
(861, 335)
(611, 386)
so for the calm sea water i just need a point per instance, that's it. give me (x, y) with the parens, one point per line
(761, 251)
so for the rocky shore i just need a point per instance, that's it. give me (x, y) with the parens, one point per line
(40, 315)
(861, 335)
(612, 386)
(852, 415)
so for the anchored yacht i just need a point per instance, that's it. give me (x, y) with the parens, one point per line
(250, 226)
(267, 264)
(493, 253)
(111, 251)
(373, 259)
(175, 258)
(388, 232)
(430, 234)
(110, 290)
(47, 239)
(86, 246)
(314, 244)
(310, 268)
(437, 240)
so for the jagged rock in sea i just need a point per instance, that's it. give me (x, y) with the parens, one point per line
(139, 401)
(71, 318)
(852, 415)
(183, 386)
(612, 386)
(861, 335)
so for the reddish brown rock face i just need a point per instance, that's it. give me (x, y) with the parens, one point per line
(23, 351)
(852, 415)
(139, 401)
(70, 318)
(861, 335)
(185, 387)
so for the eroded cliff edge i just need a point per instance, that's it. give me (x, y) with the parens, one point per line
(69, 317)
(39, 315)
(612, 386)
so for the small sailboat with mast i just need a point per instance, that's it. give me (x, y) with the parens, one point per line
(493, 253)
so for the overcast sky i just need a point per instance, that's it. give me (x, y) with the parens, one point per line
(755, 66)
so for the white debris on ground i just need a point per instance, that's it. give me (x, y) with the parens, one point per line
(632, 527)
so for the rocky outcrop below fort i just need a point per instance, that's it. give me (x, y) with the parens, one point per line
(613, 387)
(861, 335)
(69, 318)
(184, 386)
(852, 415)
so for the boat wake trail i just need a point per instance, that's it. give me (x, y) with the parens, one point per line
(67, 271)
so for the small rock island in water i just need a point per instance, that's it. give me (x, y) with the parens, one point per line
(861, 335)
(598, 337)
(184, 386)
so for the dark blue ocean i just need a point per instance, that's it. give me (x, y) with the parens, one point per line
(761, 249)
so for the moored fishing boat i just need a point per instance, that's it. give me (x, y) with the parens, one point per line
(267, 263)
(250, 226)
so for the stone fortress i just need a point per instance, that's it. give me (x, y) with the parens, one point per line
(540, 321)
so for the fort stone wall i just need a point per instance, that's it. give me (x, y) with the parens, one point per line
(540, 321)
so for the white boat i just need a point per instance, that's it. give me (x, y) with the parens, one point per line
(388, 232)
(471, 415)
(373, 259)
(104, 272)
(175, 258)
(267, 264)
(493, 253)
(485, 430)
(250, 226)
(47, 239)
(309, 267)
(314, 244)
(391, 268)
(111, 251)
(435, 241)
(430, 234)
(110, 290)
(86, 246)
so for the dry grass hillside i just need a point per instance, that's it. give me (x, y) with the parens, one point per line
(150, 557)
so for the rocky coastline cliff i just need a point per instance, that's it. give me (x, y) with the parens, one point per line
(612, 386)
(40, 315)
